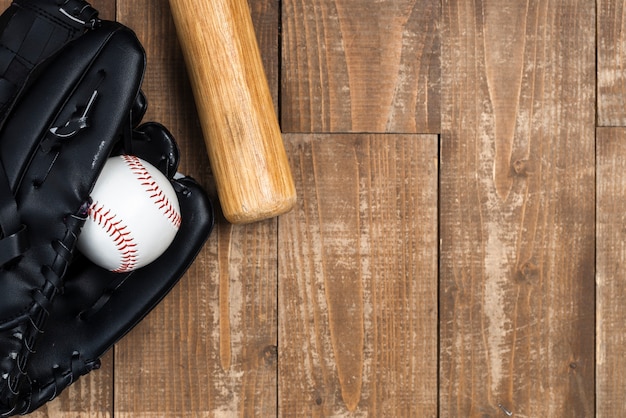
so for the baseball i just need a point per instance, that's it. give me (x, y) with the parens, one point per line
(134, 216)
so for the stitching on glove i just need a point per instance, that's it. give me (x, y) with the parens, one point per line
(52, 278)
(17, 56)
(9, 412)
(27, 342)
(13, 247)
(43, 13)
(79, 9)
(42, 300)
(60, 379)
(37, 313)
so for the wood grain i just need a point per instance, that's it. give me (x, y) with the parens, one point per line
(106, 8)
(611, 41)
(90, 397)
(196, 357)
(210, 348)
(357, 278)
(611, 236)
(353, 66)
(517, 209)
(341, 308)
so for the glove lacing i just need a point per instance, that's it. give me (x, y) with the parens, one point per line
(79, 11)
(25, 333)
(13, 243)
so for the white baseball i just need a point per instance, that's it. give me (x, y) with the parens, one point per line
(134, 216)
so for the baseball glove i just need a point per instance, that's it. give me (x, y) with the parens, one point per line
(69, 99)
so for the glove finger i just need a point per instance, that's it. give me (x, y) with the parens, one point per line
(138, 110)
(153, 143)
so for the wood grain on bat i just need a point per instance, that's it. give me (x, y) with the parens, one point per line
(235, 106)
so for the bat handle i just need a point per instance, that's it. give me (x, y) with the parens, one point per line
(239, 123)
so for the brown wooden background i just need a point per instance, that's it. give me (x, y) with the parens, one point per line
(459, 242)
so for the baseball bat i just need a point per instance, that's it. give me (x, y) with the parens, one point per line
(239, 124)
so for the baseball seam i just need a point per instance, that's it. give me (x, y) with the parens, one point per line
(152, 188)
(119, 233)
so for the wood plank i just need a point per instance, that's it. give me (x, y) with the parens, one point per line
(358, 278)
(610, 259)
(611, 42)
(106, 8)
(353, 66)
(210, 348)
(517, 209)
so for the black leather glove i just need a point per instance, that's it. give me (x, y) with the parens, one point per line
(64, 114)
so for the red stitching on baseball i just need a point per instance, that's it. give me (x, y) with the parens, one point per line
(153, 189)
(118, 232)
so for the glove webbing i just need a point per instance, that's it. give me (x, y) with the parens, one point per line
(22, 44)
(39, 312)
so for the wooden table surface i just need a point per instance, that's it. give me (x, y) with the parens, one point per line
(459, 241)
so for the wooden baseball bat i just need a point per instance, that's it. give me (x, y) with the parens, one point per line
(234, 103)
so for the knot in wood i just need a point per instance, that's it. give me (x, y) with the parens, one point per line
(520, 167)
(528, 271)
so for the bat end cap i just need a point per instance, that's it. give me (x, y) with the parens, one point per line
(245, 215)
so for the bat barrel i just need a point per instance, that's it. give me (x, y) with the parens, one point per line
(239, 124)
